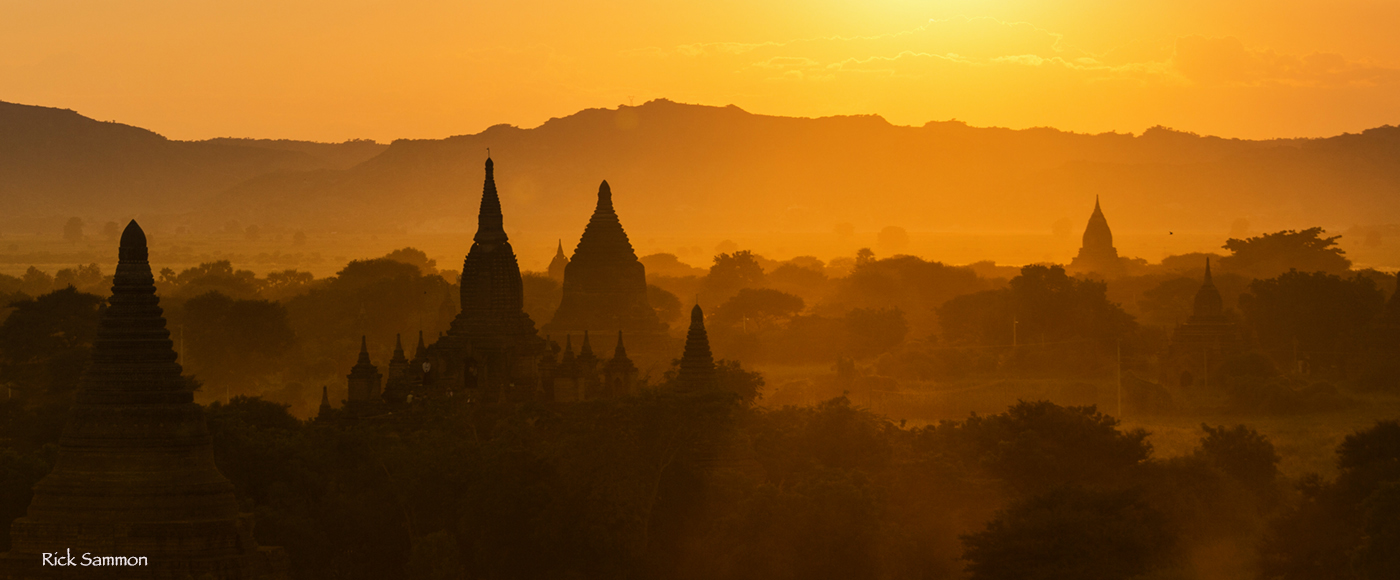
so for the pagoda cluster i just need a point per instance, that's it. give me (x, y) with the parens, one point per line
(493, 352)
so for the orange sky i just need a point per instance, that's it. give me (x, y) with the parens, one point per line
(332, 70)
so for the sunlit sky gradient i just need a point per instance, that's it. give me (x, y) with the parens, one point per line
(333, 70)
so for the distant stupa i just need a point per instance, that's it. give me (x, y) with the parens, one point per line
(697, 370)
(605, 286)
(135, 474)
(1208, 330)
(1097, 254)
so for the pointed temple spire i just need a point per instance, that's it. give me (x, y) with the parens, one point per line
(621, 350)
(490, 228)
(422, 351)
(559, 263)
(136, 455)
(399, 356)
(1208, 307)
(1097, 254)
(364, 352)
(605, 285)
(325, 402)
(492, 328)
(619, 374)
(364, 380)
(586, 349)
(697, 364)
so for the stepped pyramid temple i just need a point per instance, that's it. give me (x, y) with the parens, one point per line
(1208, 330)
(605, 286)
(1097, 254)
(135, 480)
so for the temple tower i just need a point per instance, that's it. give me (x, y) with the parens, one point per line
(325, 408)
(566, 376)
(558, 264)
(1208, 333)
(400, 380)
(364, 381)
(619, 374)
(135, 473)
(492, 350)
(1097, 254)
(697, 370)
(605, 286)
(588, 370)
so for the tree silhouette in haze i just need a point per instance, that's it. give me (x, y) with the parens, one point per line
(730, 273)
(1043, 304)
(1273, 254)
(235, 344)
(1070, 533)
(45, 344)
(756, 309)
(1322, 315)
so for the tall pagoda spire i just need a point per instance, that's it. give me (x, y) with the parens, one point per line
(490, 224)
(559, 263)
(493, 296)
(619, 373)
(621, 350)
(135, 457)
(325, 402)
(697, 364)
(399, 356)
(422, 351)
(1208, 307)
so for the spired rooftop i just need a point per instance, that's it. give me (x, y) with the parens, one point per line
(135, 473)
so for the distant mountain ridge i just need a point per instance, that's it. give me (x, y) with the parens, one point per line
(676, 168)
(56, 163)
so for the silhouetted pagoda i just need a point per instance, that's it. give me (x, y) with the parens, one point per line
(605, 286)
(325, 409)
(619, 374)
(1097, 254)
(1208, 331)
(492, 350)
(400, 381)
(364, 380)
(697, 370)
(135, 473)
(559, 263)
